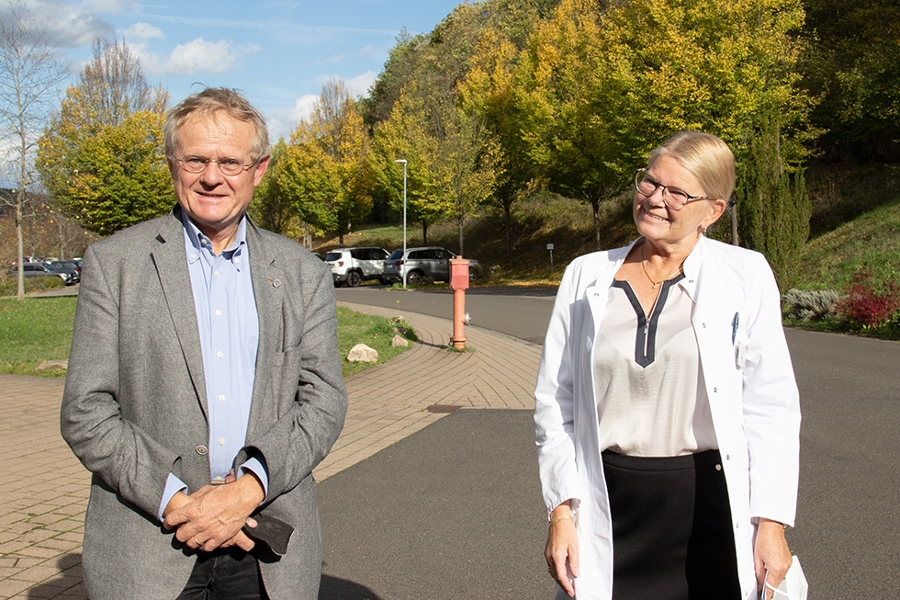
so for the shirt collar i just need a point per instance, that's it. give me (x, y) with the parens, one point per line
(197, 242)
(691, 268)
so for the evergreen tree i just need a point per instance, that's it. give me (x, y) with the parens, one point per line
(773, 205)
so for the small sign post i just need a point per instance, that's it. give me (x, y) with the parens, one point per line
(550, 248)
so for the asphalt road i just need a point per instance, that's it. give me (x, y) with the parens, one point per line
(429, 528)
(517, 311)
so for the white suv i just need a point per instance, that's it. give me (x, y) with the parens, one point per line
(355, 265)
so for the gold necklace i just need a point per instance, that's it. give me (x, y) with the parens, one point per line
(656, 284)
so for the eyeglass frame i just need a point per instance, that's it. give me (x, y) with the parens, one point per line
(206, 161)
(641, 175)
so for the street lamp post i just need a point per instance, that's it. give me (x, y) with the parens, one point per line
(403, 160)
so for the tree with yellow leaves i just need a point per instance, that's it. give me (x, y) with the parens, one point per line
(101, 157)
(325, 170)
(605, 85)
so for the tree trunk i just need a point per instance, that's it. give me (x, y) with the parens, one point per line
(20, 293)
(459, 227)
(507, 221)
(424, 233)
(735, 241)
(595, 207)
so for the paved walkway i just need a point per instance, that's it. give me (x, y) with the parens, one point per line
(43, 498)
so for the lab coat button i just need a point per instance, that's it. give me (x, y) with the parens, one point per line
(202, 451)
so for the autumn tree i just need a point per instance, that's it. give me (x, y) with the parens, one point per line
(325, 170)
(403, 136)
(101, 157)
(271, 207)
(469, 162)
(566, 120)
(29, 78)
(492, 90)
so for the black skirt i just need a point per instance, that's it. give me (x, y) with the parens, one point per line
(672, 529)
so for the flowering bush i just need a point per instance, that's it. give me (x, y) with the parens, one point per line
(867, 306)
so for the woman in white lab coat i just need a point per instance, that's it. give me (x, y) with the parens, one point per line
(667, 416)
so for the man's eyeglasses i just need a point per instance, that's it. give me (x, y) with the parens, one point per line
(228, 166)
(674, 199)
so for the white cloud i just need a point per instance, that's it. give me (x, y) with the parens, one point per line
(284, 120)
(303, 107)
(368, 50)
(68, 26)
(197, 56)
(359, 85)
(143, 31)
(334, 58)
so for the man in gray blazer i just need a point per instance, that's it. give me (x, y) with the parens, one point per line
(204, 383)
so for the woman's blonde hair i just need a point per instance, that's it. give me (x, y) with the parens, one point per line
(707, 157)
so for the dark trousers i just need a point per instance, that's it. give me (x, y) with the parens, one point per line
(230, 574)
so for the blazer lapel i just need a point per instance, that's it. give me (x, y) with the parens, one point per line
(171, 267)
(268, 290)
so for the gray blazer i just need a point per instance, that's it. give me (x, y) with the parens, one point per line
(134, 407)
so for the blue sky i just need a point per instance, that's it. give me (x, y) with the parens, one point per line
(277, 52)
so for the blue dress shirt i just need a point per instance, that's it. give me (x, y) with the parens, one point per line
(228, 324)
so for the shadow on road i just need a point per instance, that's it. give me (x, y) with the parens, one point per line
(334, 588)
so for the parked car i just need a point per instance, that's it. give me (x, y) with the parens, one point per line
(35, 269)
(355, 265)
(428, 262)
(67, 269)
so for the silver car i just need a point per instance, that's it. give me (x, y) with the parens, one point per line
(427, 262)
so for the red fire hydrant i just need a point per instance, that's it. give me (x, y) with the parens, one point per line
(459, 283)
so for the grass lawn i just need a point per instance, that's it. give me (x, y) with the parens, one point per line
(35, 330)
(39, 329)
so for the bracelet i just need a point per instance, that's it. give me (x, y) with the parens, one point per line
(561, 517)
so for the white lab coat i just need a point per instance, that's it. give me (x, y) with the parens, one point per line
(753, 398)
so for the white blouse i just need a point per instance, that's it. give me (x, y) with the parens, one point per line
(648, 385)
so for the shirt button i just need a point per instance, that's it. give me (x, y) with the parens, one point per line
(216, 273)
(218, 478)
(237, 261)
(193, 256)
(220, 354)
(221, 397)
(202, 451)
(218, 313)
(222, 442)
(718, 467)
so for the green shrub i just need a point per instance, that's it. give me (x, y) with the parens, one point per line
(9, 284)
(810, 305)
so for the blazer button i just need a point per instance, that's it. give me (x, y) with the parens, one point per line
(202, 451)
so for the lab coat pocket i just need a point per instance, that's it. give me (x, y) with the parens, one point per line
(741, 344)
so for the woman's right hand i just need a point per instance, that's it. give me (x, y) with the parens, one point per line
(562, 548)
